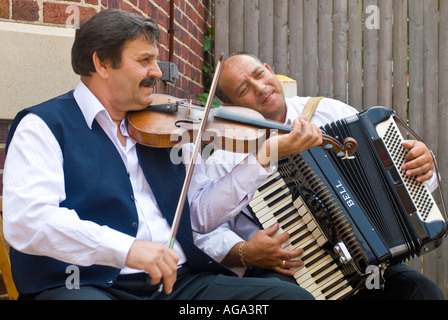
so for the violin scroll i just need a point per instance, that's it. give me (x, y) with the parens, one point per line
(351, 146)
(345, 151)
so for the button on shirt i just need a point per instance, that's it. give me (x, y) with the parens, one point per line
(34, 186)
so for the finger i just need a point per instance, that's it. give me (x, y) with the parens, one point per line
(317, 132)
(291, 255)
(281, 238)
(272, 229)
(165, 266)
(278, 239)
(417, 153)
(168, 269)
(408, 144)
(288, 267)
(156, 275)
(418, 166)
(169, 281)
(312, 133)
(294, 263)
(425, 177)
(416, 163)
(423, 170)
(170, 273)
(298, 127)
(286, 272)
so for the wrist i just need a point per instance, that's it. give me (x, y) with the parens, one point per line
(241, 255)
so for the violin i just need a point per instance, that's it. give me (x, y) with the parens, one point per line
(170, 122)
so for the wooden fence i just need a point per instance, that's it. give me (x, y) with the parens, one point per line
(365, 53)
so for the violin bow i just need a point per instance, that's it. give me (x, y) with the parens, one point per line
(197, 147)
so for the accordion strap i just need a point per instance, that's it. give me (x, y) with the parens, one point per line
(310, 107)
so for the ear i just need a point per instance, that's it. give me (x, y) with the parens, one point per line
(269, 68)
(101, 67)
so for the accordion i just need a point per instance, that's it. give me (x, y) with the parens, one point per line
(351, 214)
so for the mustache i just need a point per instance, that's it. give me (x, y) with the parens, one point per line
(148, 82)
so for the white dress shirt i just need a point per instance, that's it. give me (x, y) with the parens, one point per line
(33, 188)
(218, 243)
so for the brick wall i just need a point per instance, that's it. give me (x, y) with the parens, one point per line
(191, 19)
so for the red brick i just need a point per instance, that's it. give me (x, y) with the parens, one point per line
(142, 4)
(123, 5)
(27, 10)
(56, 12)
(4, 9)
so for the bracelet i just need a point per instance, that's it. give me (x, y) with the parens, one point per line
(240, 251)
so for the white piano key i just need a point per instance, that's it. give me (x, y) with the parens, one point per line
(265, 203)
(259, 195)
(282, 217)
(269, 210)
(303, 273)
(321, 289)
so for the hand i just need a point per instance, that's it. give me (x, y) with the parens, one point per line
(155, 258)
(419, 161)
(303, 137)
(265, 251)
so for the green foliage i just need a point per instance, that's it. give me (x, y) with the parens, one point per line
(204, 96)
(209, 43)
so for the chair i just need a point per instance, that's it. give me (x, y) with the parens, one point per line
(5, 264)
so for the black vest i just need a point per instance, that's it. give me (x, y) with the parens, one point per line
(98, 188)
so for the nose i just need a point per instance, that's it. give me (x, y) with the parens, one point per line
(154, 71)
(259, 87)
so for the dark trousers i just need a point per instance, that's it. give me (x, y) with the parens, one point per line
(189, 286)
(401, 283)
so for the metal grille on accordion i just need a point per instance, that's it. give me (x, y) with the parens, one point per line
(350, 214)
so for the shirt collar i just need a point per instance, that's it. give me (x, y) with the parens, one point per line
(89, 104)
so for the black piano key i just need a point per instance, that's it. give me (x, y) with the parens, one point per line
(331, 286)
(318, 273)
(299, 230)
(317, 259)
(343, 287)
(286, 216)
(321, 275)
(308, 246)
(272, 203)
(289, 205)
(275, 192)
(312, 253)
(293, 221)
(269, 183)
(306, 234)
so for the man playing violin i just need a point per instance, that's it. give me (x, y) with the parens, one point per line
(245, 81)
(80, 194)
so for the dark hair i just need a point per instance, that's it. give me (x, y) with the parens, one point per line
(219, 92)
(106, 34)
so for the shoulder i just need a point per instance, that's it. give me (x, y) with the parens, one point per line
(340, 107)
(327, 111)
